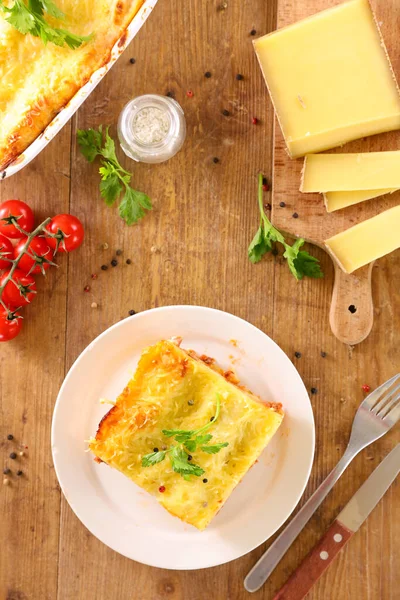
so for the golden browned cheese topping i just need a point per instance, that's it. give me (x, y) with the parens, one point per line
(38, 80)
(172, 389)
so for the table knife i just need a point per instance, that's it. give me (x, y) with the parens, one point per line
(342, 529)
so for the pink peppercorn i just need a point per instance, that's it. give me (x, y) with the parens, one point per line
(254, 120)
(189, 94)
(366, 388)
(161, 489)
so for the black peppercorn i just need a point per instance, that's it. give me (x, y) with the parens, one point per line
(323, 354)
(226, 113)
(239, 77)
(190, 457)
(19, 473)
(128, 261)
(104, 267)
(212, 418)
(295, 215)
(297, 354)
(170, 94)
(207, 74)
(282, 204)
(205, 480)
(215, 160)
(114, 262)
(253, 32)
(10, 436)
(132, 61)
(314, 390)
(13, 455)
(132, 312)
(155, 449)
(275, 251)
(118, 252)
(6, 471)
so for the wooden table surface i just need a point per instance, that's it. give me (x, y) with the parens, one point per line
(203, 219)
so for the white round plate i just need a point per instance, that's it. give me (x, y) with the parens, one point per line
(124, 516)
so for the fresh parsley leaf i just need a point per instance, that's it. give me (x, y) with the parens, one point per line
(191, 445)
(153, 458)
(259, 246)
(203, 439)
(115, 180)
(132, 205)
(213, 449)
(180, 463)
(29, 18)
(183, 437)
(301, 264)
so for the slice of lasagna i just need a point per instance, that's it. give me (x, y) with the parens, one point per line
(38, 80)
(185, 431)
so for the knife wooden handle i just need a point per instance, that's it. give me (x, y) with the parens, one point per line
(319, 559)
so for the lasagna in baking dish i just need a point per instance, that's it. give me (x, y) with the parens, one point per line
(185, 431)
(38, 80)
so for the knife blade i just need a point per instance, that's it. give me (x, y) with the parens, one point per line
(342, 529)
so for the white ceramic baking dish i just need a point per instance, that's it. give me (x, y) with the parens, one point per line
(66, 113)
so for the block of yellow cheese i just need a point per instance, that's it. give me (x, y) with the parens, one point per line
(351, 172)
(330, 78)
(337, 200)
(367, 241)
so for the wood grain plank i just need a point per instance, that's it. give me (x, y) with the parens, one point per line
(203, 219)
(31, 372)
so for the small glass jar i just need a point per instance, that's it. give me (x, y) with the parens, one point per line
(151, 128)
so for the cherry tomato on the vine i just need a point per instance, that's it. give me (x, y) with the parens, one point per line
(10, 325)
(6, 252)
(20, 212)
(20, 291)
(33, 262)
(68, 232)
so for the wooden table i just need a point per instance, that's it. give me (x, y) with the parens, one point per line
(203, 219)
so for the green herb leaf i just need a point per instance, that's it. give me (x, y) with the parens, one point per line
(180, 463)
(110, 185)
(90, 142)
(30, 19)
(301, 264)
(182, 437)
(115, 180)
(191, 445)
(132, 204)
(203, 439)
(214, 449)
(153, 458)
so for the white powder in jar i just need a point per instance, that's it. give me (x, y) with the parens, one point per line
(150, 125)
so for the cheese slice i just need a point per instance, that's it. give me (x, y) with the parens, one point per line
(366, 241)
(330, 78)
(350, 172)
(337, 200)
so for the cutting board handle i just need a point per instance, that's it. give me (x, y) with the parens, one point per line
(352, 311)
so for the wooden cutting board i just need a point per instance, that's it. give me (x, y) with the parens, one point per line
(351, 314)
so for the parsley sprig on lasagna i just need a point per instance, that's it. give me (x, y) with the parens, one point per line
(29, 18)
(189, 441)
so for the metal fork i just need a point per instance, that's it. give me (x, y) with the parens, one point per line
(374, 417)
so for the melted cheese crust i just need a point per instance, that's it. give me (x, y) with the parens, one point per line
(157, 398)
(37, 81)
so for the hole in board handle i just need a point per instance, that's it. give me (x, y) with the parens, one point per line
(352, 309)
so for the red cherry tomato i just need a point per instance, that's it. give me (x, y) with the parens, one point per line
(6, 252)
(68, 232)
(38, 248)
(18, 211)
(14, 295)
(10, 325)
